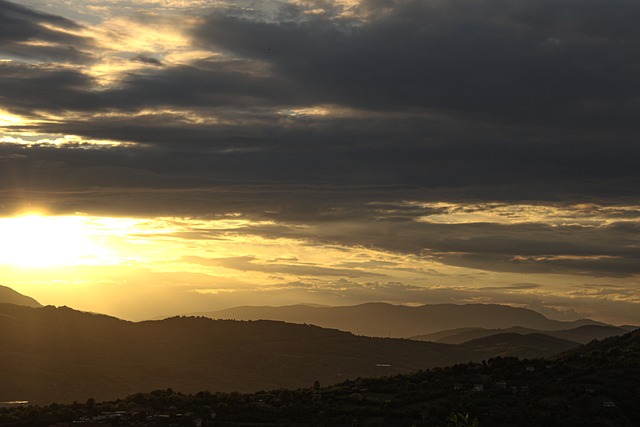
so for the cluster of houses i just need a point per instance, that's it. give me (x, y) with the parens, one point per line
(140, 416)
(522, 388)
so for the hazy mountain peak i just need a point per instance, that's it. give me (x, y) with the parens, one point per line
(9, 296)
(401, 321)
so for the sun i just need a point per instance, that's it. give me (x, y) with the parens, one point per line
(35, 240)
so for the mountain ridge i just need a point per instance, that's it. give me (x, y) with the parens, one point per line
(399, 321)
(60, 354)
(581, 334)
(10, 296)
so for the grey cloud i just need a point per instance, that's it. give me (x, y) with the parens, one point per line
(230, 85)
(235, 83)
(29, 89)
(19, 24)
(486, 58)
(522, 248)
(148, 181)
(472, 104)
(261, 149)
(145, 59)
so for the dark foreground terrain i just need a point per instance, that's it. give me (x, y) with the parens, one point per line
(50, 354)
(594, 385)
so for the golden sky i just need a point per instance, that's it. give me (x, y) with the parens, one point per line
(139, 268)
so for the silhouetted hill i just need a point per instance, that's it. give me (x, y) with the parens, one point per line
(9, 296)
(590, 386)
(447, 334)
(587, 333)
(526, 346)
(626, 347)
(60, 354)
(382, 320)
(581, 334)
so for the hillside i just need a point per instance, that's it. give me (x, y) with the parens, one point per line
(9, 296)
(528, 346)
(581, 334)
(63, 355)
(592, 386)
(386, 320)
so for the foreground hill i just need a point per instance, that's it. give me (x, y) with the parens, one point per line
(59, 354)
(386, 320)
(526, 346)
(592, 386)
(581, 334)
(9, 296)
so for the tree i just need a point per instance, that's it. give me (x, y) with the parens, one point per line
(458, 419)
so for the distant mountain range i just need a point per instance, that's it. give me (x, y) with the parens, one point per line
(59, 354)
(399, 321)
(581, 334)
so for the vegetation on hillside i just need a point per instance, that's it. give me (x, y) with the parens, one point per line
(581, 334)
(595, 385)
(59, 354)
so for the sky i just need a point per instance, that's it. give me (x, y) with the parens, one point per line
(160, 157)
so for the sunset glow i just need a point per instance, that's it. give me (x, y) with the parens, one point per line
(42, 241)
(189, 263)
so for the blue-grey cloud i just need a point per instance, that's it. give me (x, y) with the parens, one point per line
(32, 35)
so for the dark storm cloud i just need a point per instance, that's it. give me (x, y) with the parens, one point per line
(226, 85)
(28, 34)
(493, 99)
(229, 83)
(32, 89)
(262, 150)
(498, 60)
(539, 62)
(556, 62)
